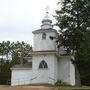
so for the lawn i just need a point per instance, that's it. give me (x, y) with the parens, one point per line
(72, 88)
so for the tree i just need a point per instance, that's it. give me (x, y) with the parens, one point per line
(73, 20)
(2, 49)
(7, 49)
(15, 59)
(5, 72)
(20, 50)
(83, 57)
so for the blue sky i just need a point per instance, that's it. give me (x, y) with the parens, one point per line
(18, 18)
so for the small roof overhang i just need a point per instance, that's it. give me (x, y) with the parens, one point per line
(44, 30)
(42, 52)
(27, 66)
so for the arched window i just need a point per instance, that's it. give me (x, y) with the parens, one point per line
(43, 64)
(44, 36)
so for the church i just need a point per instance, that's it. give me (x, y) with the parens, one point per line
(48, 64)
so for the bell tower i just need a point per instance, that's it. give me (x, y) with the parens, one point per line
(41, 37)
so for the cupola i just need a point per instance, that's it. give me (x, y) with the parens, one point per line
(46, 22)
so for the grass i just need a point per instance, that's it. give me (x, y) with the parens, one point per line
(72, 88)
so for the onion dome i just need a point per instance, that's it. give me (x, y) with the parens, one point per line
(46, 22)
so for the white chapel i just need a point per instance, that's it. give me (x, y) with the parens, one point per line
(48, 64)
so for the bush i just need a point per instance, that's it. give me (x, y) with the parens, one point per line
(61, 83)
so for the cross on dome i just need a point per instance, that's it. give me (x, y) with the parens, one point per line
(47, 9)
(47, 18)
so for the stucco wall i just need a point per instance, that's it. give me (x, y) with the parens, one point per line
(49, 73)
(36, 75)
(56, 68)
(41, 45)
(21, 77)
(61, 69)
(66, 70)
(72, 74)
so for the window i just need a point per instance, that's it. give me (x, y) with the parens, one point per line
(43, 64)
(44, 36)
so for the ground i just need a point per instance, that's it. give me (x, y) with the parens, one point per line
(5, 87)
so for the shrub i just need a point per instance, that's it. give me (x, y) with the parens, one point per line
(61, 83)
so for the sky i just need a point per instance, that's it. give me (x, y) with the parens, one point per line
(18, 18)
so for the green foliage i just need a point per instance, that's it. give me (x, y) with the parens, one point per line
(20, 50)
(61, 83)
(73, 20)
(15, 59)
(83, 60)
(5, 72)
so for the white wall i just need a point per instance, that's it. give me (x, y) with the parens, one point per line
(21, 77)
(36, 75)
(72, 74)
(41, 45)
(66, 70)
(49, 73)
(61, 69)
(56, 68)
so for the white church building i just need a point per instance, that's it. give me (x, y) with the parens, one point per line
(48, 64)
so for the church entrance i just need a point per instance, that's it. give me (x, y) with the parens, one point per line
(43, 68)
(43, 77)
